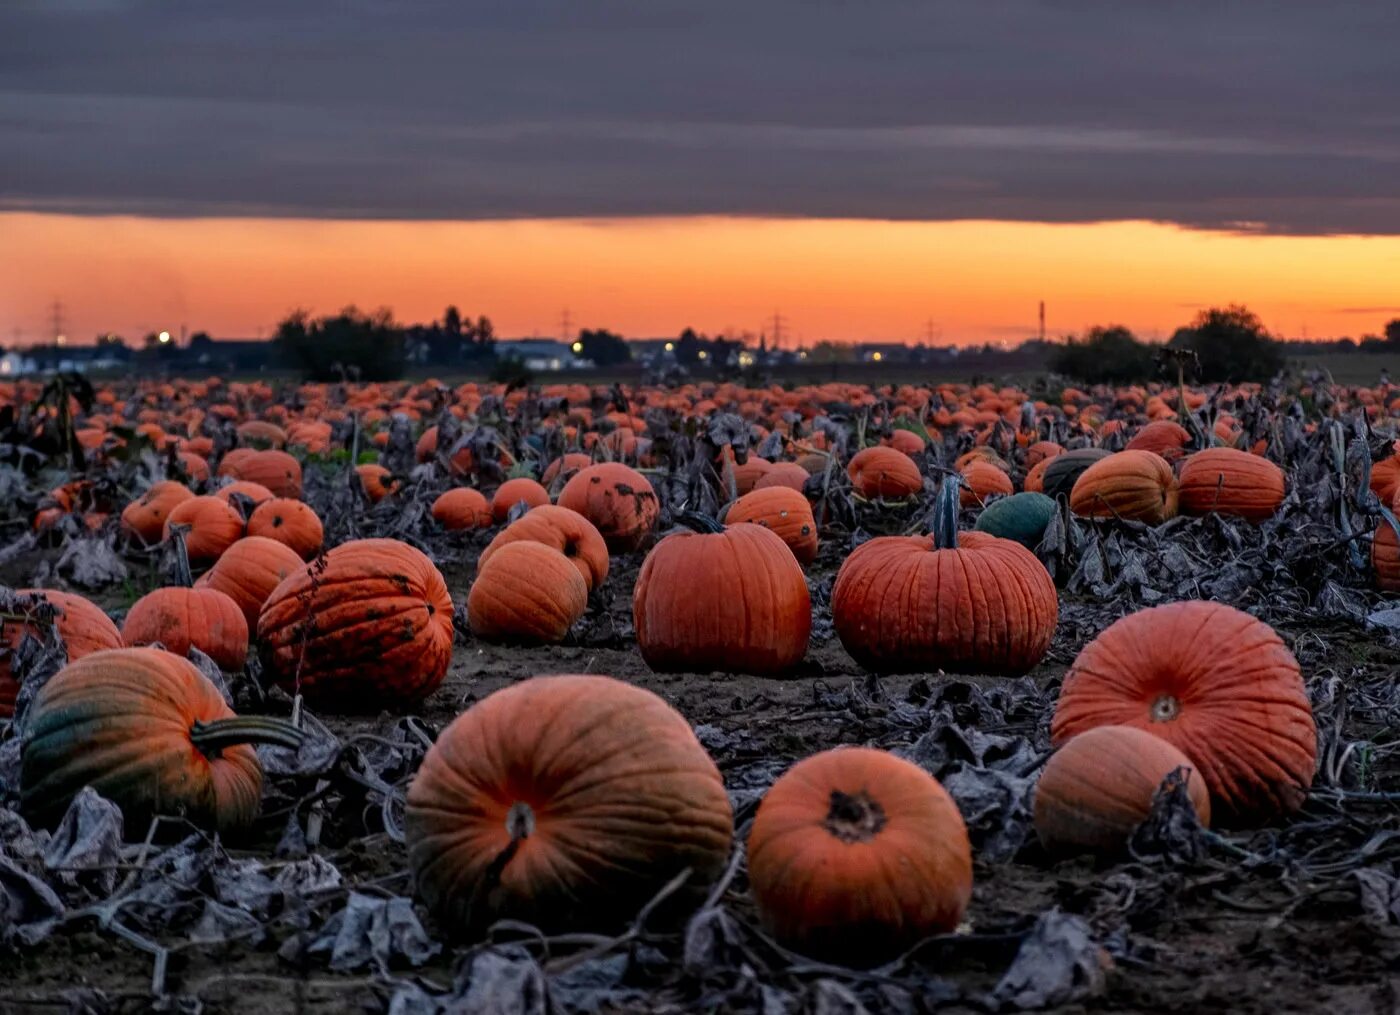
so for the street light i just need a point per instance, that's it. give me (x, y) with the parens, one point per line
(704, 354)
(62, 339)
(164, 337)
(670, 346)
(577, 347)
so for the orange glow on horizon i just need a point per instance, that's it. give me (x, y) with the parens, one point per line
(845, 280)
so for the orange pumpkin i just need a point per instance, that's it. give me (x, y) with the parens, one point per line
(1215, 683)
(856, 855)
(214, 526)
(786, 512)
(561, 529)
(884, 472)
(785, 474)
(82, 627)
(1385, 558)
(1162, 437)
(378, 481)
(144, 518)
(1229, 482)
(618, 500)
(1131, 485)
(981, 480)
(527, 593)
(566, 802)
(255, 492)
(516, 491)
(462, 508)
(248, 571)
(278, 471)
(292, 523)
(181, 618)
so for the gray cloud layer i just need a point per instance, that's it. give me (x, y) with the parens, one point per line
(1277, 116)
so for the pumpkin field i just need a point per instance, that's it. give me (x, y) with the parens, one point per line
(426, 697)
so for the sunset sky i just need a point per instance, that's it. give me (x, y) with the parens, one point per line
(862, 168)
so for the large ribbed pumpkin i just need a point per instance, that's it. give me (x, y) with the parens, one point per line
(184, 618)
(566, 802)
(561, 529)
(526, 594)
(966, 603)
(248, 571)
(856, 855)
(149, 732)
(144, 518)
(1229, 482)
(1131, 485)
(1099, 787)
(1216, 683)
(786, 512)
(884, 472)
(722, 599)
(82, 626)
(1162, 437)
(618, 500)
(370, 630)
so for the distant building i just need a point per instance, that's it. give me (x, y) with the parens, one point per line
(541, 354)
(230, 355)
(17, 364)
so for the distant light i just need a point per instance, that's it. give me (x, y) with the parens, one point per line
(670, 346)
(802, 354)
(577, 347)
(62, 340)
(745, 359)
(164, 337)
(878, 357)
(6, 367)
(704, 354)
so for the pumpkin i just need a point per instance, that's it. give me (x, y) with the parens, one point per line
(564, 468)
(618, 500)
(527, 593)
(370, 629)
(1131, 486)
(292, 523)
(1214, 682)
(1022, 517)
(276, 470)
(906, 442)
(248, 571)
(378, 482)
(730, 599)
(81, 625)
(214, 526)
(856, 855)
(786, 512)
(561, 529)
(516, 491)
(255, 492)
(785, 474)
(462, 508)
(1161, 437)
(1229, 482)
(1385, 558)
(1042, 451)
(1059, 474)
(149, 732)
(982, 479)
(144, 518)
(1099, 787)
(566, 802)
(1385, 479)
(181, 618)
(884, 472)
(968, 603)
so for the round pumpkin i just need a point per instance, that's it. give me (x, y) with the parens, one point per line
(1162, 437)
(255, 492)
(149, 732)
(884, 472)
(214, 526)
(786, 474)
(1131, 486)
(1229, 482)
(181, 618)
(528, 594)
(981, 480)
(462, 508)
(1214, 682)
(856, 855)
(371, 629)
(1022, 518)
(80, 624)
(276, 470)
(566, 802)
(144, 518)
(561, 529)
(1099, 787)
(513, 492)
(784, 511)
(731, 600)
(248, 571)
(1059, 474)
(1385, 558)
(293, 523)
(618, 500)
(564, 468)
(378, 482)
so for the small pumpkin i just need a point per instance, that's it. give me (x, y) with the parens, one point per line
(248, 571)
(618, 500)
(785, 512)
(214, 525)
(1230, 482)
(378, 482)
(1214, 682)
(856, 855)
(369, 629)
(528, 594)
(293, 523)
(144, 518)
(563, 469)
(80, 624)
(561, 529)
(884, 472)
(149, 732)
(566, 802)
(1099, 787)
(276, 470)
(462, 508)
(1022, 517)
(1131, 485)
(515, 491)
(982, 480)
(731, 600)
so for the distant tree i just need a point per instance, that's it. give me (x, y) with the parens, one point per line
(1374, 343)
(690, 345)
(1106, 355)
(1392, 331)
(832, 352)
(200, 342)
(604, 347)
(452, 321)
(483, 333)
(352, 344)
(1231, 344)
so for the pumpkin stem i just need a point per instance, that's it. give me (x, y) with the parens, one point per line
(1165, 708)
(184, 577)
(945, 513)
(700, 523)
(854, 817)
(211, 738)
(520, 821)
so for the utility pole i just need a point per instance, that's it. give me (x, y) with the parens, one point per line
(1042, 320)
(566, 323)
(56, 318)
(932, 332)
(779, 324)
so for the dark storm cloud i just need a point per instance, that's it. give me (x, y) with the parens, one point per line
(1274, 116)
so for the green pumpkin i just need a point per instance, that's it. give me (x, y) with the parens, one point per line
(1062, 472)
(1021, 517)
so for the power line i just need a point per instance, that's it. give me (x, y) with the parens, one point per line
(566, 323)
(1042, 320)
(779, 323)
(933, 331)
(56, 317)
